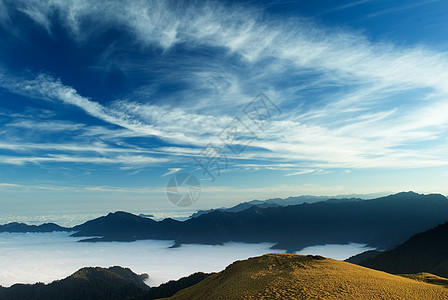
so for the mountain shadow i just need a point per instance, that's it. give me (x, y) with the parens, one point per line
(424, 252)
(98, 284)
(86, 283)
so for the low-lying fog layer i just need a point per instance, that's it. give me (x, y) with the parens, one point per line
(44, 257)
(339, 252)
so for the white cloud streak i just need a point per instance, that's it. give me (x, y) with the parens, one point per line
(171, 171)
(301, 172)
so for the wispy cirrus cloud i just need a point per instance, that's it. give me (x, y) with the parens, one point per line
(136, 160)
(48, 125)
(254, 37)
(376, 103)
(345, 6)
(400, 7)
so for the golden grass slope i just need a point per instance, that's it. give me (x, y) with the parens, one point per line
(288, 276)
(427, 277)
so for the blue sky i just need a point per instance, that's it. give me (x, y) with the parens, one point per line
(102, 102)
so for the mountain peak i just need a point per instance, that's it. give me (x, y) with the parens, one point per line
(121, 213)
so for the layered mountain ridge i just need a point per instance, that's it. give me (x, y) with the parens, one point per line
(382, 223)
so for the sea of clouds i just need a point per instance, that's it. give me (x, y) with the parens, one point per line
(44, 257)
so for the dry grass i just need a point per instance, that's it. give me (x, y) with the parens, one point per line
(427, 277)
(285, 276)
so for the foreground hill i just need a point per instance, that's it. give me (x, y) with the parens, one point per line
(423, 252)
(286, 276)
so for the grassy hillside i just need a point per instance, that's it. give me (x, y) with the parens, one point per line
(286, 276)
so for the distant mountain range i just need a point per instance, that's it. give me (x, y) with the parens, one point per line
(382, 223)
(275, 202)
(114, 283)
(22, 227)
(423, 252)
